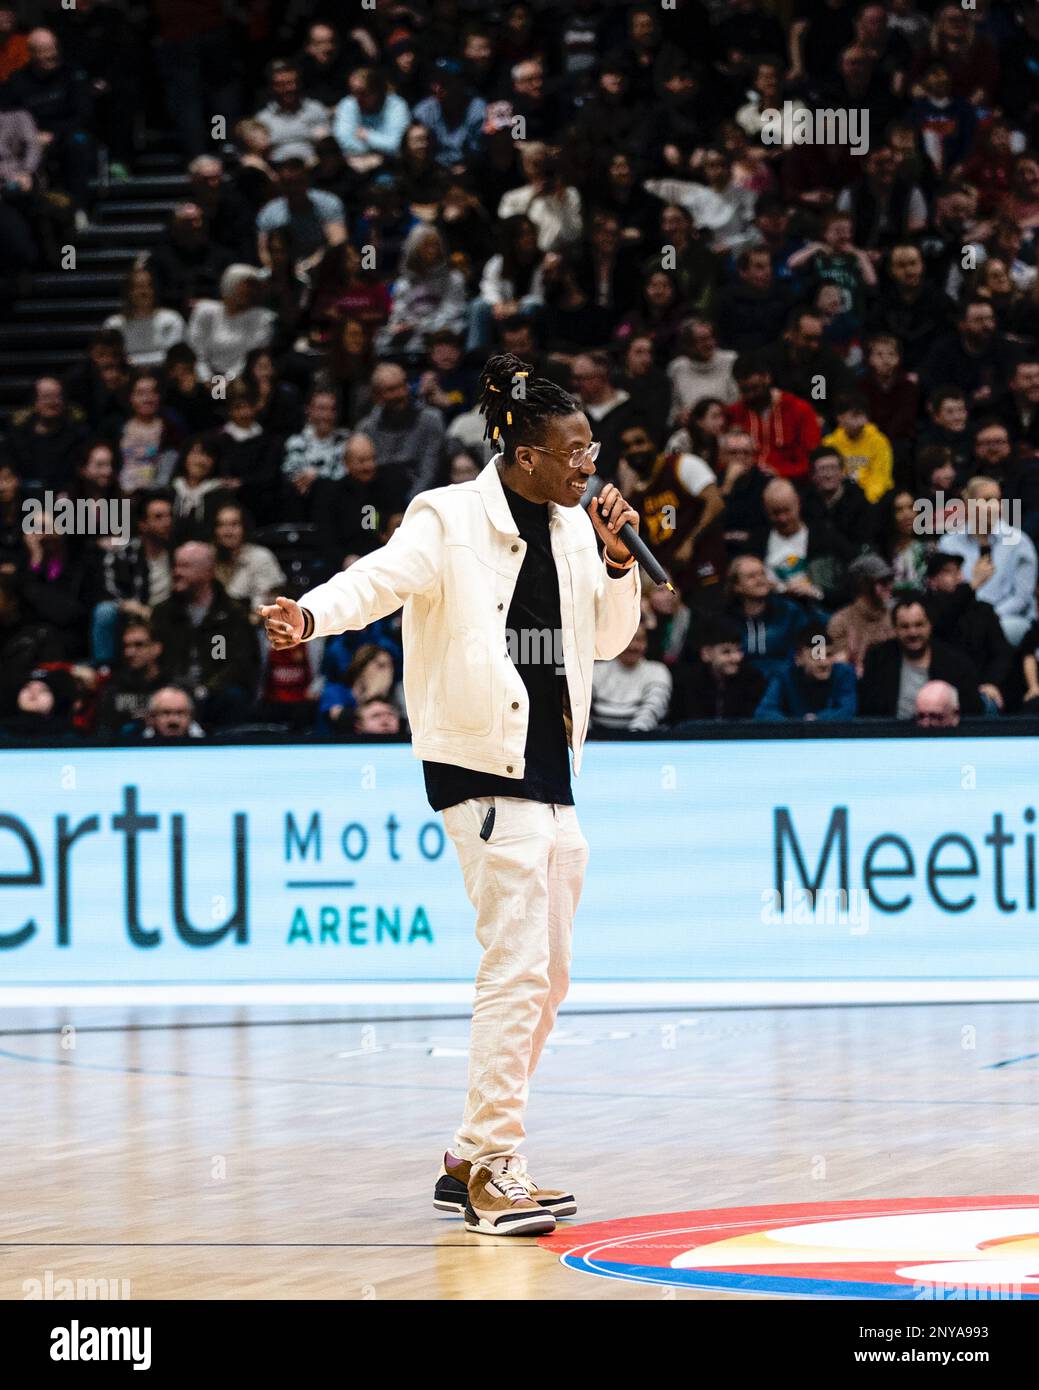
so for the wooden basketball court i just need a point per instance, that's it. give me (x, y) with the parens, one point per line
(291, 1152)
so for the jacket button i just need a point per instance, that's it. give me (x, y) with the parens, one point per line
(514, 549)
(508, 768)
(515, 704)
(500, 607)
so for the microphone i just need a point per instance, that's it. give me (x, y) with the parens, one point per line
(629, 537)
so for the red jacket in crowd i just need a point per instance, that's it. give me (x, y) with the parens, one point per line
(784, 435)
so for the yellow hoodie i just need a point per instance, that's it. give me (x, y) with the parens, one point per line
(867, 459)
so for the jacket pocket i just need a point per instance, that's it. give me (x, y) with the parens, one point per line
(464, 689)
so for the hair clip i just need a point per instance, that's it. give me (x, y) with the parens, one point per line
(494, 388)
(508, 417)
(496, 432)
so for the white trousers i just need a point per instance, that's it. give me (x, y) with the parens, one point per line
(525, 883)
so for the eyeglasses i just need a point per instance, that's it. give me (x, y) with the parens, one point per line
(576, 458)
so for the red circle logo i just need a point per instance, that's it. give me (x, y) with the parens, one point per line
(904, 1248)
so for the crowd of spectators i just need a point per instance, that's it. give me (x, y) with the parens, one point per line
(813, 369)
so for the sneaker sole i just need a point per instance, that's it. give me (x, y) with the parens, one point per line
(565, 1207)
(534, 1224)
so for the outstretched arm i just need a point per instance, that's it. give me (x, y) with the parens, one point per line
(374, 586)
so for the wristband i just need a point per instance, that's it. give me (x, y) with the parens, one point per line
(308, 624)
(626, 566)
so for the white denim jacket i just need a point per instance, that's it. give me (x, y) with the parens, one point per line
(453, 563)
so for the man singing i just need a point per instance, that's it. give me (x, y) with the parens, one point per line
(506, 606)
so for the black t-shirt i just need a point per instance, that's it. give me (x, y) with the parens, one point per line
(533, 615)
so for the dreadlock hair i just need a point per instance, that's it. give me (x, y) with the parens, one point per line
(516, 404)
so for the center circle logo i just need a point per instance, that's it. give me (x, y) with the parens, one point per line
(903, 1248)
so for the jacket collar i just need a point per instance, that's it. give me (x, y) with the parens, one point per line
(492, 490)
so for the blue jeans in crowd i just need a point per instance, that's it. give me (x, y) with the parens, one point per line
(104, 632)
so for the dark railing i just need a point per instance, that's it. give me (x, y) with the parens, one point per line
(694, 731)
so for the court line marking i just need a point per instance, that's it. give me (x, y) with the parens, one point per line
(261, 1245)
(703, 993)
(190, 1024)
(602, 1012)
(1010, 1061)
(722, 1098)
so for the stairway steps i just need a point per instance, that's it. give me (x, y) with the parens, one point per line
(107, 213)
(16, 389)
(129, 234)
(143, 186)
(37, 361)
(123, 256)
(27, 310)
(160, 162)
(68, 338)
(67, 285)
(47, 330)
